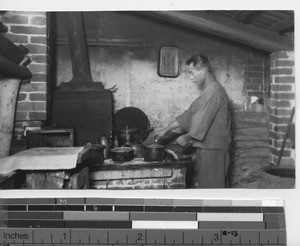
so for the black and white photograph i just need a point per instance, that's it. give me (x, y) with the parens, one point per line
(147, 99)
(148, 123)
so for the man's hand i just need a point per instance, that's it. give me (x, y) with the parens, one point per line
(158, 134)
(183, 140)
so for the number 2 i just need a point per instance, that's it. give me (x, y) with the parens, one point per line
(139, 236)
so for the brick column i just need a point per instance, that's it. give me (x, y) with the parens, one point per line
(282, 100)
(31, 30)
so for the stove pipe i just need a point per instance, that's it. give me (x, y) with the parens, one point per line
(79, 52)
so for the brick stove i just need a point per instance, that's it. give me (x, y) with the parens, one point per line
(138, 174)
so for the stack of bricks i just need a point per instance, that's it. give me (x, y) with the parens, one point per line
(31, 30)
(282, 100)
(250, 148)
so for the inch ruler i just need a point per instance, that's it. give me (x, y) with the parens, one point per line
(125, 221)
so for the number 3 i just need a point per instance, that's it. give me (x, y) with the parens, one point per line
(216, 237)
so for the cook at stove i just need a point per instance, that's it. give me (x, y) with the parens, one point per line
(206, 124)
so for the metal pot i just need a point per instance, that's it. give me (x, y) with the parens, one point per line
(154, 152)
(122, 154)
(96, 154)
(127, 136)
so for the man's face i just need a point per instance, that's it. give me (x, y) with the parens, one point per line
(197, 74)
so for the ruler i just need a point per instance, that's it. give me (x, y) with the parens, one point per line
(134, 221)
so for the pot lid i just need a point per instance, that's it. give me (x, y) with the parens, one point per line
(122, 149)
(154, 146)
(132, 118)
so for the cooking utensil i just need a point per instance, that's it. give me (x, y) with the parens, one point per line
(96, 154)
(103, 140)
(154, 152)
(122, 154)
(127, 136)
(138, 150)
(132, 118)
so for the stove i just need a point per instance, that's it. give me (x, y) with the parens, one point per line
(138, 174)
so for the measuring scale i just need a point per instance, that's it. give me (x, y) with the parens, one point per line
(134, 221)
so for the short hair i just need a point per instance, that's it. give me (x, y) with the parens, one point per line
(200, 60)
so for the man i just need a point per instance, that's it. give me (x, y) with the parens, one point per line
(207, 126)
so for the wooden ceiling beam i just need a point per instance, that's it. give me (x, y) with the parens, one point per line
(286, 24)
(226, 28)
(245, 16)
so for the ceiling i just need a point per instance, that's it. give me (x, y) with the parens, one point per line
(280, 22)
(267, 30)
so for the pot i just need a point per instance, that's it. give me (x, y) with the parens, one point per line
(127, 136)
(96, 154)
(122, 154)
(154, 152)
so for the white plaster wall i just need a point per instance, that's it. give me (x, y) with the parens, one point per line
(139, 85)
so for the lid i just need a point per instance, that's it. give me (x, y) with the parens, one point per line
(132, 118)
(122, 149)
(154, 146)
(95, 146)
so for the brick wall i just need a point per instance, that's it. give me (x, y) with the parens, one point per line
(282, 100)
(31, 30)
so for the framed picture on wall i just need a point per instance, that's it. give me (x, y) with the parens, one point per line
(168, 62)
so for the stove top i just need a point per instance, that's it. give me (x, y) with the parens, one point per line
(135, 161)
